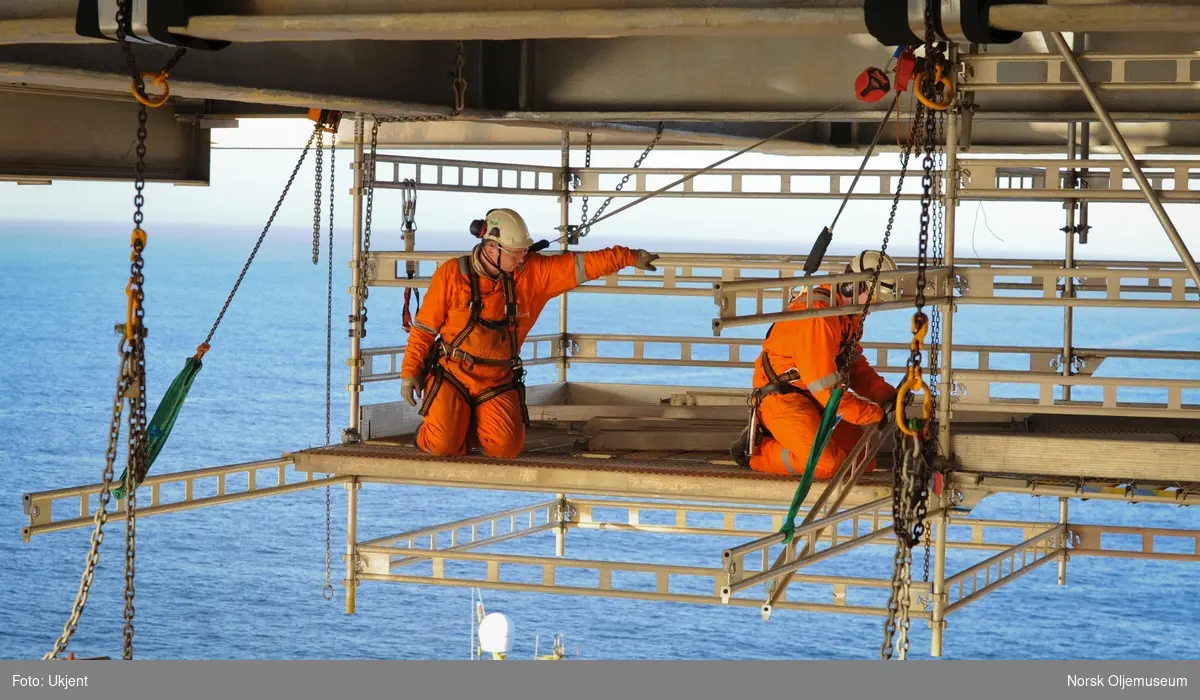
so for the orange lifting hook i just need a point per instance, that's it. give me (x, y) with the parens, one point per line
(158, 80)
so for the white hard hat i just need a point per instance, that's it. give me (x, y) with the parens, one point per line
(507, 228)
(867, 261)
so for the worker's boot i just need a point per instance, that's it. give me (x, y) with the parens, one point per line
(740, 449)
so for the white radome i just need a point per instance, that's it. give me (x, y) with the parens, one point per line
(495, 634)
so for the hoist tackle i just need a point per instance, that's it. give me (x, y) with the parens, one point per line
(143, 23)
(896, 22)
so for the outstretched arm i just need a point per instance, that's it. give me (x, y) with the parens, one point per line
(557, 274)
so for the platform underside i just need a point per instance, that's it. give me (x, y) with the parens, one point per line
(633, 450)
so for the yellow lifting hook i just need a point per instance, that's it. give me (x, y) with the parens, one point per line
(939, 78)
(914, 382)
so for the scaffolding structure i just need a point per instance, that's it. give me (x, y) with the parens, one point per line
(619, 457)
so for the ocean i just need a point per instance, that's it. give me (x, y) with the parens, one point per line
(244, 580)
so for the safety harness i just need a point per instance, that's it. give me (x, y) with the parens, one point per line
(777, 383)
(783, 383)
(454, 351)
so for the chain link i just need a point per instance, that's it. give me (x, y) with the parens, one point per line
(459, 84)
(913, 453)
(585, 225)
(316, 248)
(851, 343)
(262, 236)
(896, 621)
(135, 347)
(587, 163)
(131, 386)
(938, 254)
(101, 515)
(327, 591)
(364, 260)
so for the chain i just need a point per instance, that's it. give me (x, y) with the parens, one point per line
(316, 251)
(938, 246)
(565, 152)
(101, 515)
(459, 85)
(327, 592)
(585, 225)
(131, 383)
(928, 544)
(938, 250)
(899, 599)
(910, 481)
(262, 236)
(364, 259)
(135, 333)
(587, 163)
(850, 344)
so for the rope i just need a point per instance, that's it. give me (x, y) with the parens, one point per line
(828, 420)
(828, 417)
(703, 170)
(870, 151)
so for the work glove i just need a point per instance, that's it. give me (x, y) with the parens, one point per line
(410, 390)
(889, 413)
(645, 258)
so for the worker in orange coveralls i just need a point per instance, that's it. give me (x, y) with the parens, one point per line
(794, 378)
(463, 352)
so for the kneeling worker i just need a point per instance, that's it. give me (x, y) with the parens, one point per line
(464, 351)
(795, 375)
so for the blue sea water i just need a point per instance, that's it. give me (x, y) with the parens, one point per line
(244, 580)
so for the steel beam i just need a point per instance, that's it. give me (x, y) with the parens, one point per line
(85, 136)
(40, 506)
(622, 87)
(1119, 141)
(52, 21)
(964, 587)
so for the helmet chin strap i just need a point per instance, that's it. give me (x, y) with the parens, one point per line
(494, 264)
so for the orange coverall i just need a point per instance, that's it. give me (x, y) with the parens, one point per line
(812, 347)
(495, 425)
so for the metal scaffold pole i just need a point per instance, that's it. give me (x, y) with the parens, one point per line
(356, 324)
(351, 582)
(946, 380)
(1135, 169)
(564, 220)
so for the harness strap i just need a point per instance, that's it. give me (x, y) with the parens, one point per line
(518, 367)
(475, 305)
(454, 352)
(777, 383)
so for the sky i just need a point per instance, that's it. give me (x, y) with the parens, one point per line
(251, 164)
